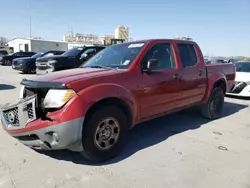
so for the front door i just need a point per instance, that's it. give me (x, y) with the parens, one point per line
(159, 90)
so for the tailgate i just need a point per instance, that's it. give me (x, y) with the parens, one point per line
(228, 69)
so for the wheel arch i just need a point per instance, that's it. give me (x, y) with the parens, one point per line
(111, 101)
(217, 80)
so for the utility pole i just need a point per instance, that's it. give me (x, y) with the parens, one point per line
(30, 20)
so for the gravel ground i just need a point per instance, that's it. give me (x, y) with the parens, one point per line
(177, 151)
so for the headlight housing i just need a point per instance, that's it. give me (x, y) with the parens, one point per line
(56, 98)
(22, 92)
(52, 62)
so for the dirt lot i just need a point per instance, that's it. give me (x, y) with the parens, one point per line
(177, 151)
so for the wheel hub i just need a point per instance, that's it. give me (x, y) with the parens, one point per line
(107, 133)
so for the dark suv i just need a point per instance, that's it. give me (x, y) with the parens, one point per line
(72, 58)
(7, 60)
(3, 53)
(28, 64)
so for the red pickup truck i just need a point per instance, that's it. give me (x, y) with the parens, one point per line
(91, 109)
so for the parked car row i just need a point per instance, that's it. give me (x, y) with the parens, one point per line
(28, 64)
(7, 59)
(213, 61)
(72, 58)
(50, 61)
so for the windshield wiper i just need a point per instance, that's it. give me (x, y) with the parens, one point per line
(100, 66)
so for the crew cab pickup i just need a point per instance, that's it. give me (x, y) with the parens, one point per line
(90, 109)
(72, 58)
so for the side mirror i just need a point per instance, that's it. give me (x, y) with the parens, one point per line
(84, 55)
(151, 65)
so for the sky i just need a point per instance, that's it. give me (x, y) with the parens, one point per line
(220, 27)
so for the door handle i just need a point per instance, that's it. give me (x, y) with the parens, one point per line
(200, 73)
(176, 77)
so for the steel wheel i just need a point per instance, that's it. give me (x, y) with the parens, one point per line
(107, 133)
(104, 133)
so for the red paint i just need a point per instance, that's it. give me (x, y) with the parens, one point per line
(147, 95)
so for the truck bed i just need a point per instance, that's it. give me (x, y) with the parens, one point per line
(227, 69)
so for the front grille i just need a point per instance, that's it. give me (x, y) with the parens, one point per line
(30, 111)
(42, 67)
(11, 116)
(40, 93)
(17, 115)
(238, 87)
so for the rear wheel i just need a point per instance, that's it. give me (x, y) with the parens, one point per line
(31, 69)
(104, 134)
(213, 108)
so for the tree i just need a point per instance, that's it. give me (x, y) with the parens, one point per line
(3, 41)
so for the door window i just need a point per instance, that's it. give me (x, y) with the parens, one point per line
(163, 53)
(88, 52)
(188, 55)
(18, 54)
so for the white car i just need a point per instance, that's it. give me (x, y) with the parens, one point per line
(242, 80)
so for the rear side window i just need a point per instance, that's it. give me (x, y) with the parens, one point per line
(28, 53)
(188, 55)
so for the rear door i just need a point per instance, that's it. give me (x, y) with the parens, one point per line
(193, 73)
(159, 90)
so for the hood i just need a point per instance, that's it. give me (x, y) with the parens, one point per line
(72, 75)
(242, 76)
(24, 59)
(10, 55)
(54, 57)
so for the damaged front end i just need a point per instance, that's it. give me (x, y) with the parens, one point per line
(45, 125)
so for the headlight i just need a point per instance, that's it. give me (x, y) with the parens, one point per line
(22, 92)
(56, 98)
(52, 62)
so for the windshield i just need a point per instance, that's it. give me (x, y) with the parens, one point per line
(73, 51)
(242, 67)
(118, 56)
(48, 54)
(39, 54)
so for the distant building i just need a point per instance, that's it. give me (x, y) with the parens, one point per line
(88, 38)
(37, 45)
(122, 32)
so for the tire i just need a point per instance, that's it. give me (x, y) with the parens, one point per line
(8, 63)
(31, 69)
(98, 151)
(214, 106)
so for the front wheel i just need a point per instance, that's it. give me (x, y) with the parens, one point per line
(104, 134)
(214, 106)
(31, 69)
(8, 63)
